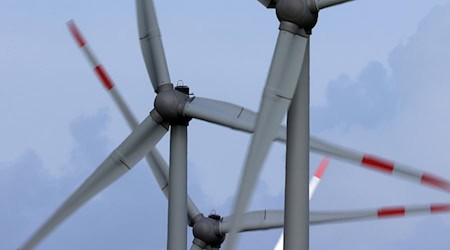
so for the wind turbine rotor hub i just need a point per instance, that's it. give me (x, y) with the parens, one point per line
(206, 230)
(302, 13)
(170, 102)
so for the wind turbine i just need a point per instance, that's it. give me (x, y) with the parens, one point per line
(174, 108)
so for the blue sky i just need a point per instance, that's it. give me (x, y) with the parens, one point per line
(379, 83)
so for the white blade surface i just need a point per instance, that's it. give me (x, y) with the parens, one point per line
(151, 43)
(278, 93)
(122, 159)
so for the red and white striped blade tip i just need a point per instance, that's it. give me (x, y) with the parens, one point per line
(322, 167)
(76, 33)
(391, 167)
(95, 64)
(403, 210)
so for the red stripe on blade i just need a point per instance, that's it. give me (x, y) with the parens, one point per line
(435, 181)
(379, 164)
(76, 33)
(322, 167)
(388, 212)
(101, 73)
(439, 208)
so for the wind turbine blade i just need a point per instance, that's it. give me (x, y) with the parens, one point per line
(95, 64)
(253, 221)
(313, 184)
(151, 43)
(315, 180)
(156, 162)
(280, 243)
(376, 163)
(226, 114)
(278, 93)
(122, 159)
(154, 158)
(321, 4)
(273, 219)
(242, 119)
(380, 213)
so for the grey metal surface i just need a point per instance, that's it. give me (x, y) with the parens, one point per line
(123, 158)
(313, 184)
(335, 217)
(151, 43)
(296, 202)
(170, 102)
(321, 4)
(226, 114)
(156, 162)
(177, 231)
(254, 221)
(206, 231)
(156, 159)
(297, 162)
(278, 93)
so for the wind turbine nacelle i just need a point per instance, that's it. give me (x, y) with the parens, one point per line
(268, 3)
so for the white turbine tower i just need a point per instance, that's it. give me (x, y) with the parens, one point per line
(287, 87)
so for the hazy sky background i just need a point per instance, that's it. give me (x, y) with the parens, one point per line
(379, 83)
